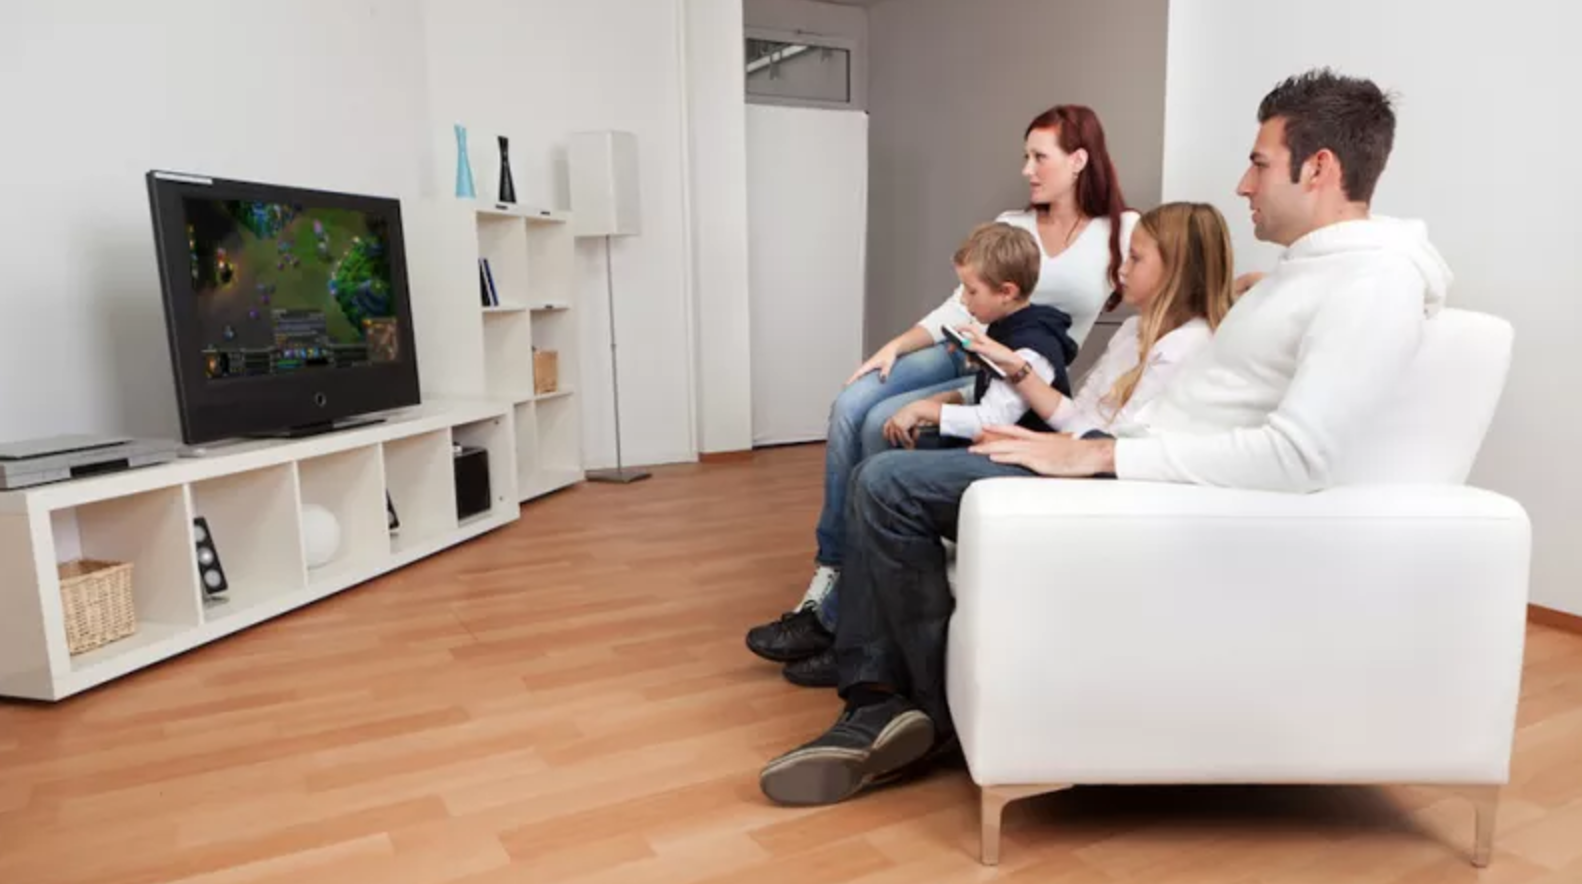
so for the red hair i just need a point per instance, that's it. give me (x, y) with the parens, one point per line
(1098, 187)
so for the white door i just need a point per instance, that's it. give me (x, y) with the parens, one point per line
(807, 210)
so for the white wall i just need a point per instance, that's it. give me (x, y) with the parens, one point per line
(97, 92)
(717, 191)
(356, 97)
(536, 70)
(1484, 153)
(952, 85)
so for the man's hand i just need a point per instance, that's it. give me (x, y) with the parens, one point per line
(1047, 454)
(901, 429)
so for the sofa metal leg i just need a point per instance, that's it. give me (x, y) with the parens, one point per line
(1486, 801)
(994, 799)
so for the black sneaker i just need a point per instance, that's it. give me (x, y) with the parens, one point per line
(817, 671)
(795, 636)
(864, 745)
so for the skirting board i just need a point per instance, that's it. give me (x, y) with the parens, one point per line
(1554, 619)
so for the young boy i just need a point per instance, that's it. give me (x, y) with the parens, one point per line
(998, 267)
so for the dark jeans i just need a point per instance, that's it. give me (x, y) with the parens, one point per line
(829, 610)
(894, 601)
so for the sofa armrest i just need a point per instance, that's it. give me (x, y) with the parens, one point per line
(1142, 632)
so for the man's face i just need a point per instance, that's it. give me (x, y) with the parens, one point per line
(1282, 209)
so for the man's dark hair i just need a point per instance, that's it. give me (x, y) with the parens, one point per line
(1350, 116)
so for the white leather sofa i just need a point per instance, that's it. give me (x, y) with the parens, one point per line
(1120, 633)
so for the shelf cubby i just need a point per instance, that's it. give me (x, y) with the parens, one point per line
(559, 442)
(421, 478)
(508, 354)
(153, 531)
(254, 521)
(350, 484)
(495, 436)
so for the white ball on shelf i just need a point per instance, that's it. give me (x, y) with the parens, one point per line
(321, 535)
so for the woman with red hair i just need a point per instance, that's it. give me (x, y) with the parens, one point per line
(1077, 214)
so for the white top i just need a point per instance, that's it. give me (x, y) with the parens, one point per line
(1086, 410)
(1001, 404)
(1075, 281)
(1298, 366)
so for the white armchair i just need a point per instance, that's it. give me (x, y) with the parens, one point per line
(1120, 633)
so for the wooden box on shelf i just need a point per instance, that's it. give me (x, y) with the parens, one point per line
(96, 603)
(546, 371)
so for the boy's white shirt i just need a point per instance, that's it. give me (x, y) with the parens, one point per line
(1299, 364)
(1000, 405)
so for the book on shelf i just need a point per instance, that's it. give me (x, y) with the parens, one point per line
(486, 289)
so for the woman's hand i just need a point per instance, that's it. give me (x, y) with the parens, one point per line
(1047, 454)
(1245, 282)
(984, 347)
(901, 429)
(882, 362)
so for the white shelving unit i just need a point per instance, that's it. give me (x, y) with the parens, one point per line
(251, 496)
(470, 349)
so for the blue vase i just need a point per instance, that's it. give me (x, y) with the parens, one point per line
(464, 187)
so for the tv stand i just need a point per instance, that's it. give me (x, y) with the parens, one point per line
(252, 498)
(304, 431)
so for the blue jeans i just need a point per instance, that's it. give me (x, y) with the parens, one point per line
(856, 429)
(895, 602)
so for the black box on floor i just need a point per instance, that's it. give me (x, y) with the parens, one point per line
(472, 482)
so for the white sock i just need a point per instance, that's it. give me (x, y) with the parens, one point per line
(823, 581)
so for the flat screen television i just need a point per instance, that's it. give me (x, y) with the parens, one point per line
(287, 309)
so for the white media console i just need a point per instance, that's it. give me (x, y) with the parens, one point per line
(477, 370)
(251, 496)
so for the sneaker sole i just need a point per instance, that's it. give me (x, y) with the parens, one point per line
(825, 775)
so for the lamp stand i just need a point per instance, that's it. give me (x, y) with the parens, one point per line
(620, 475)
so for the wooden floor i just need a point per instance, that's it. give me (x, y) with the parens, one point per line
(569, 699)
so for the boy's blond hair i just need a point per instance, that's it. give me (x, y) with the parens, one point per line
(1001, 253)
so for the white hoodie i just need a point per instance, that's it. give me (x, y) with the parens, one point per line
(1298, 365)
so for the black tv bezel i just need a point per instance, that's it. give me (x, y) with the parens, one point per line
(279, 404)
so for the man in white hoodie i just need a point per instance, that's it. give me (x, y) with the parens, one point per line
(1294, 375)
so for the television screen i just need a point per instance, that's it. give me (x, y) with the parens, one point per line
(287, 309)
(285, 287)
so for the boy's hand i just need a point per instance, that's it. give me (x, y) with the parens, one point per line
(901, 429)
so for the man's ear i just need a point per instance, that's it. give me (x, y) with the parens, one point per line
(1322, 168)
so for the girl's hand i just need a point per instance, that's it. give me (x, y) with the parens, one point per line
(984, 347)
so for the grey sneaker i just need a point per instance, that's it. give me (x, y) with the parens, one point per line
(865, 745)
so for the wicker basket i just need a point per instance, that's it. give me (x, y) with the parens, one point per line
(96, 598)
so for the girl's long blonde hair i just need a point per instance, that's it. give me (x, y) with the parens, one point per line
(1194, 245)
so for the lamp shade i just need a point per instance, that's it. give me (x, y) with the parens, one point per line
(604, 191)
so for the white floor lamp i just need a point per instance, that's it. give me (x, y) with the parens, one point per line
(604, 202)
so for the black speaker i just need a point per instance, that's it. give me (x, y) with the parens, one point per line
(472, 482)
(211, 574)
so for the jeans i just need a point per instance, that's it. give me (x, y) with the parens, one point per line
(856, 429)
(894, 601)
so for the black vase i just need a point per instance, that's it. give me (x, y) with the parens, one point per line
(507, 186)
